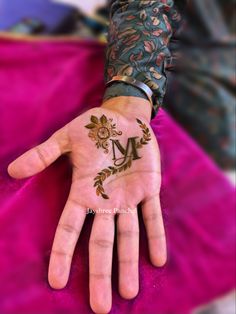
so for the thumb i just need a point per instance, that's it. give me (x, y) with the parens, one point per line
(37, 159)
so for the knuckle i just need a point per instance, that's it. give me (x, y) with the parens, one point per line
(100, 275)
(129, 233)
(101, 243)
(106, 217)
(128, 261)
(152, 216)
(68, 228)
(74, 201)
(156, 236)
(152, 198)
(128, 228)
(60, 253)
(77, 204)
(41, 153)
(61, 138)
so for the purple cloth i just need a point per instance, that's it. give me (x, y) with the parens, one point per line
(43, 85)
(54, 16)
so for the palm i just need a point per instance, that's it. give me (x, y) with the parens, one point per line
(126, 184)
(116, 166)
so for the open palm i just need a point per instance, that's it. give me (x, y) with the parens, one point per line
(116, 166)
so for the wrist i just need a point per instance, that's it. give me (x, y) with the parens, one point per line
(130, 106)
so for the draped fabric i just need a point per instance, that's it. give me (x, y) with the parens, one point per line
(44, 85)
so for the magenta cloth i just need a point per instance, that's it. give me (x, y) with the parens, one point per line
(44, 85)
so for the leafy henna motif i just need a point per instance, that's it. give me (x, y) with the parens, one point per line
(105, 173)
(146, 134)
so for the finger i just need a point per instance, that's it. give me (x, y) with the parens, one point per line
(128, 254)
(66, 237)
(152, 216)
(39, 157)
(100, 262)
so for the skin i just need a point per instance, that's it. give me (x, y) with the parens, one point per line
(139, 184)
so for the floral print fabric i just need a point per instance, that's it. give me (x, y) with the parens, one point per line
(137, 42)
(200, 71)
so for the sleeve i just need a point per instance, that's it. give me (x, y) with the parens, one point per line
(138, 38)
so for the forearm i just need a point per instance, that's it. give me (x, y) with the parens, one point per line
(137, 46)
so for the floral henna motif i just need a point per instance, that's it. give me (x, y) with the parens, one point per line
(126, 160)
(101, 130)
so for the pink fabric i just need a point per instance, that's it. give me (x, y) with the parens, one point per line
(43, 85)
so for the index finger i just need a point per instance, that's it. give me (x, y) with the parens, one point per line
(66, 237)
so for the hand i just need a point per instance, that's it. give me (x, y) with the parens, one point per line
(116, 166)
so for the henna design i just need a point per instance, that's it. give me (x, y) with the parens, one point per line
(105, 173)
(101, 130)
(146, 134)
(127, 163)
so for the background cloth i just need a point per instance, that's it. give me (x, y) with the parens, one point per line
(43, 85)
(201, 75)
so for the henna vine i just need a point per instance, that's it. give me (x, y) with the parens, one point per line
(126, 159)
(105, 173)
(146, 134)
(101, 130)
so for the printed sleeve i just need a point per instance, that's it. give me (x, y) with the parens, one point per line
(138, 38)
